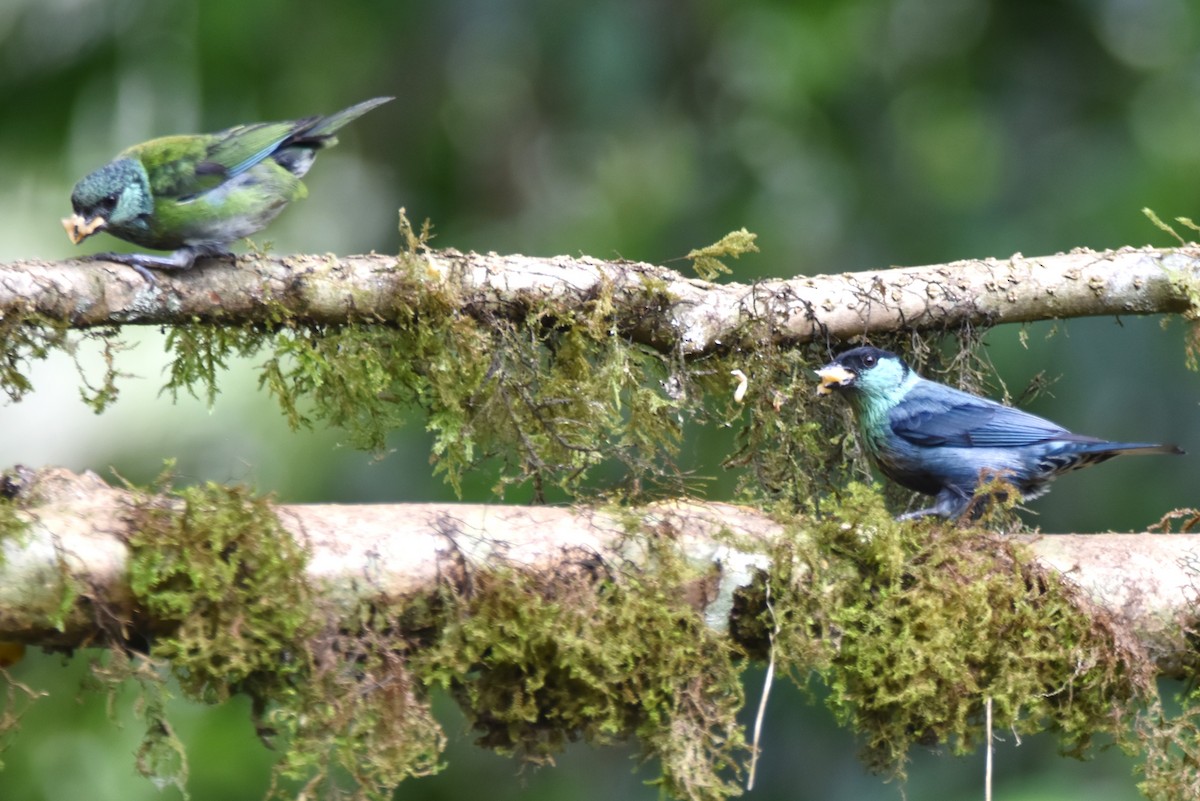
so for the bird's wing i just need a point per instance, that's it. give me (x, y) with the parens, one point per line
(934, 415)
(182, 167)
(238, 149)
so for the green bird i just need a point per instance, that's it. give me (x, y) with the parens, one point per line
(195, 194)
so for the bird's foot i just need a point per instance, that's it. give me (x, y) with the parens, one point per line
(919, 513)
(949, 504)
(125, 258)
(181, 259)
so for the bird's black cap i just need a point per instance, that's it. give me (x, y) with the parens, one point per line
(843, 371)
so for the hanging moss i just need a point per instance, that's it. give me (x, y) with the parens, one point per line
(913, 627)
(1171, 770)
(792, 449)
(30, 337)
(17, 698)
(542, 393)
(537, 662)
(222, 583)
(12, 526)
(217, 567)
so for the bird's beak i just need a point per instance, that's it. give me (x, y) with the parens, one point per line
(79, 229)
(834, 376)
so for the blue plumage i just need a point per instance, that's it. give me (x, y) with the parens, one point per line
(943, 442)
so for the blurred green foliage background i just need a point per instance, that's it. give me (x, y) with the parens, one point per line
(849, 135)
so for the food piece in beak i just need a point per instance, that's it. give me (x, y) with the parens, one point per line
(79, 229)
(833, 377)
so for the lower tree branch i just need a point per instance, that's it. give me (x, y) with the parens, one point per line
(76, 528)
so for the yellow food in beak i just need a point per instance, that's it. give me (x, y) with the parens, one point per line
(833, 377)
(79, 229)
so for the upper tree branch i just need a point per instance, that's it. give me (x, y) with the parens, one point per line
(692, 315)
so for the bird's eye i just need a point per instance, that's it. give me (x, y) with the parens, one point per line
(108, 202)
(869, 361)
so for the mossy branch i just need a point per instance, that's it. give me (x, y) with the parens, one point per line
(79, 527)
(550, 624)
(689, 316)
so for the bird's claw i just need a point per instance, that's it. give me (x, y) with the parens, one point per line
(128, 261)
(145, 273)
(181, 259)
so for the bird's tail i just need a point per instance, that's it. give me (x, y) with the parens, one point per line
(1085, 451)
(1135, 448)
(320, 133)
(297, 152)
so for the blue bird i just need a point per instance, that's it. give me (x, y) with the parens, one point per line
(942, 441)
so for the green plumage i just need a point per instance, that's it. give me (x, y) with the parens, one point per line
(196, 194)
